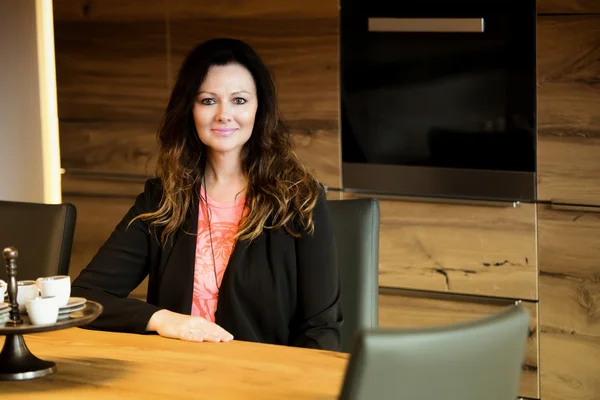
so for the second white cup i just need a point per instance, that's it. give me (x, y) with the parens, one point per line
(58, 286)
(42, 310)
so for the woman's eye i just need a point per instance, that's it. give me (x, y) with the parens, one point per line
(207, 102)
(239, 100)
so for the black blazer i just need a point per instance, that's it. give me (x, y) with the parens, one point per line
(276, 289)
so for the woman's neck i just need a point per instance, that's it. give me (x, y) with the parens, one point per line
(224, 179)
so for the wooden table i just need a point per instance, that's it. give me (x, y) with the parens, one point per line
(104, 365)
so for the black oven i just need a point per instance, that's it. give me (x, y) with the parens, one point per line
(438, 98)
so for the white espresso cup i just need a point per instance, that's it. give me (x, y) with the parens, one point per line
(58, 286)
(26, 290)
(42, 310)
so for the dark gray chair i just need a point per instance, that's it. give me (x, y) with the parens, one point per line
(43, 235)
(480, 359)
(356, 228)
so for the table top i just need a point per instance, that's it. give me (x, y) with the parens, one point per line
(106, 365)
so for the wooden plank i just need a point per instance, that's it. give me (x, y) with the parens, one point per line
(569, 109)
(253, 9)
(110, 10)
(130, 147)
(468, 249)
(155, 10)
(125, 147)
(568, 6)
(303, 56)
(415, 311)
(569, 262)
(111, 71)
(86, 184)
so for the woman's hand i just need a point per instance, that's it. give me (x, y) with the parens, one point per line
(185, 327)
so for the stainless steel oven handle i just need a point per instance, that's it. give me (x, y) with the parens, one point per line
(565, 206)
(439, 200)
(426, 25)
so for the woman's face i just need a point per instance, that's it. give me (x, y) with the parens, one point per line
(225, 108)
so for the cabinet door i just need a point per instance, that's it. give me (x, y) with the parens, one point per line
(412, 309)
(568, 101)
(569, 254)
(467, 249)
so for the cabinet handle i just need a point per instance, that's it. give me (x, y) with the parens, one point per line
(426, 25)
(465, 202)
(562, 206)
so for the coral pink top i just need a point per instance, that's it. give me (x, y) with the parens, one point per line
(224, 221)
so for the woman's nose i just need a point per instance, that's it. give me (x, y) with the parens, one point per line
(223, 114)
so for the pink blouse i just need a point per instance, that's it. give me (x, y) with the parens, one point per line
(224, 221)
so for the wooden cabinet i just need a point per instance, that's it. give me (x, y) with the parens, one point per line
(468, 249)
(413, 309)
(568, 68)
(569, 261)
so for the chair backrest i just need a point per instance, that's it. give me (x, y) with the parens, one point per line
(475, 360)
(356, 228)
(43, 235)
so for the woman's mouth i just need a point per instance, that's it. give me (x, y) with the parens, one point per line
(224, 131)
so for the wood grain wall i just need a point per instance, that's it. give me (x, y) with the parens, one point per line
(568, 57)
(115, 68)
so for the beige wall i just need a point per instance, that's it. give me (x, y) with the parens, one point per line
(29, 151)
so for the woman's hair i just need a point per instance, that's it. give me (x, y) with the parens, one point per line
(281, 192)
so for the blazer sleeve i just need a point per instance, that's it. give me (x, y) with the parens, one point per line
(120, 266)
(319, 313)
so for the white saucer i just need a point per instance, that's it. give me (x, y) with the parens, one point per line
(69, 310)
(3, 306)
(74, 302)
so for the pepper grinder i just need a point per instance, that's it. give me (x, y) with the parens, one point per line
(10, 255)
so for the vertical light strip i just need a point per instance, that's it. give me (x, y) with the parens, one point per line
(48, 102)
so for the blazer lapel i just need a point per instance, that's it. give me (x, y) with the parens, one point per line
(177, 283)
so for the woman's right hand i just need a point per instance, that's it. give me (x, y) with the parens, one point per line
(185, 327)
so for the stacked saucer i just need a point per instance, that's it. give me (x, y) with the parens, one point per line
(74, 304)
(4, 313)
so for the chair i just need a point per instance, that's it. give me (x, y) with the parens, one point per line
(43, 235)
(356, 228)
(480, 359)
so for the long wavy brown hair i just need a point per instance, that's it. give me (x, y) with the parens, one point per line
(281, 192)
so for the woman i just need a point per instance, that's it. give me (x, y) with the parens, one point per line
(234, 233)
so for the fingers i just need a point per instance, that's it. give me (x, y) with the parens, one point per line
(208, 333)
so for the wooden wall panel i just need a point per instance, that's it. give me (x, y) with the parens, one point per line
(469, 249)
(116, 64)
(151, 10)
(110, 10)
(253, 9)
(111, 71)
(121, 147)
(569, 261)
(568, 6)
(569, 109)
(409, 310)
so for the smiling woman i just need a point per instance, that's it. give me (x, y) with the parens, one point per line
(234, 232)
